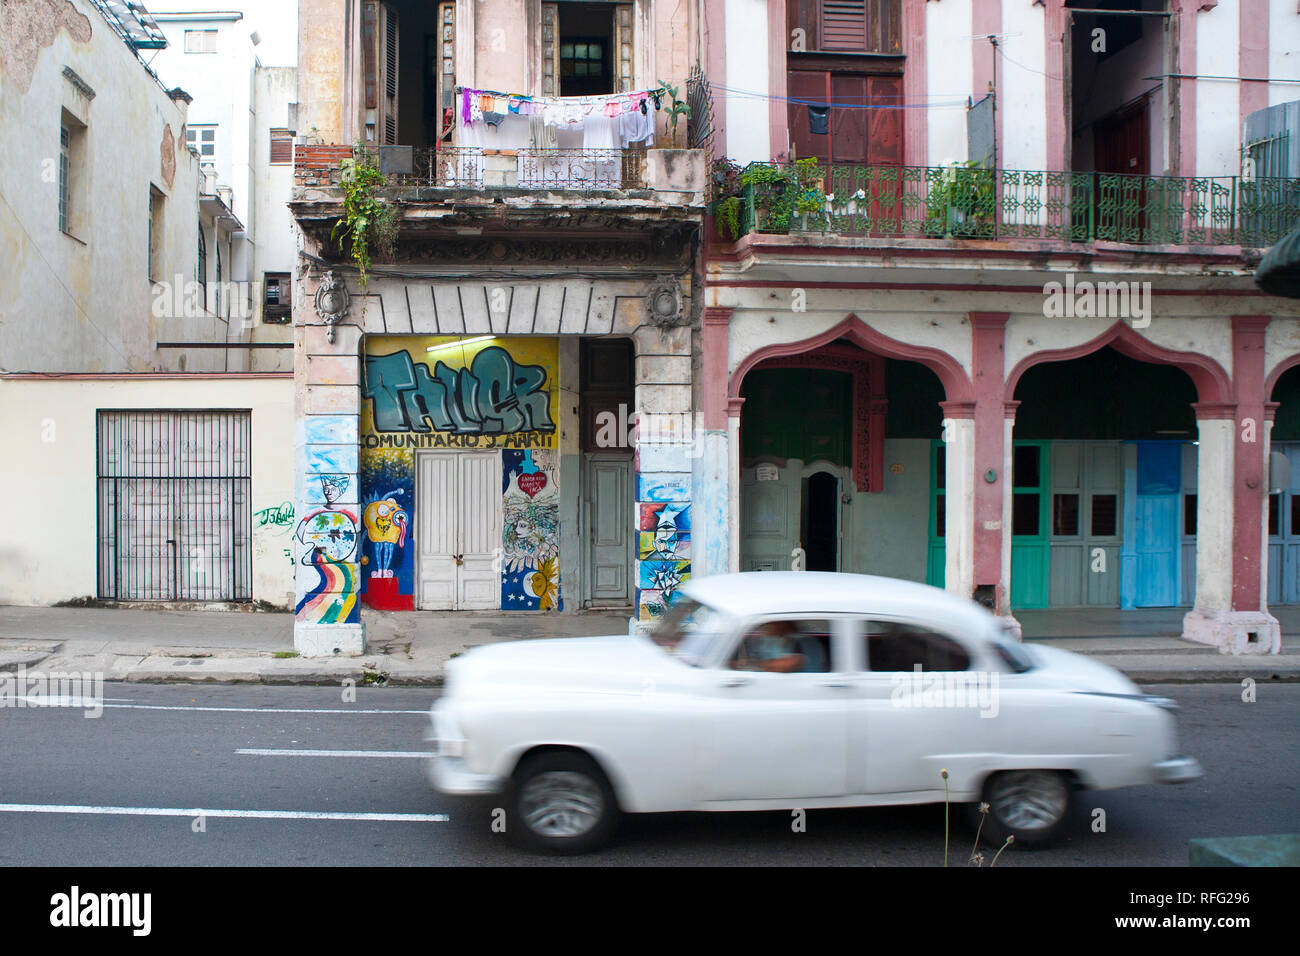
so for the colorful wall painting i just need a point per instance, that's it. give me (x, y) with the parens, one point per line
(663, 553)
(327, 540)
(455, 392)
(530, 575)
(481, 392)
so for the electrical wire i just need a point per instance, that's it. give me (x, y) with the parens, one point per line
(954, 103)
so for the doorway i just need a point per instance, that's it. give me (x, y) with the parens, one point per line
(607, 517)
(458, 501)
(820, 524)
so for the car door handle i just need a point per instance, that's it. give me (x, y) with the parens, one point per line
(734, 682)
(837, 683)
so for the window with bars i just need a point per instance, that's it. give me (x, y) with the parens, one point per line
(174, 505)
(201, 269)
(65, 163)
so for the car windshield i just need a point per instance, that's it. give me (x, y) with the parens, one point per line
(689, 630)
(1014, 654)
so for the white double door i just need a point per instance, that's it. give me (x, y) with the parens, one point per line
(458, 501)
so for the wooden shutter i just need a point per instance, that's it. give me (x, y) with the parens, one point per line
(550, 49)
(807, 85)
(624, 68)
(390, 77)
(844, 25)
(885, 126)
(281, 147)
(849, 122)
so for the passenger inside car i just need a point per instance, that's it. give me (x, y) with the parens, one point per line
(782, 647)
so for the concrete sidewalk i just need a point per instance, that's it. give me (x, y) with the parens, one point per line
(167, 646)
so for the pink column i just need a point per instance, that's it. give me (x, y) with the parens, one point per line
(778, 39)
(713, 378)
(914, 83)
(987, 332)
(1249, 464)
(1252, 40)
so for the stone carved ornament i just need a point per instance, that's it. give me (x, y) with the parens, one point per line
(332, 302)
(665, 305)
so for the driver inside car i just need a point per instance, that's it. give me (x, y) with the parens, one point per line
(778, 647)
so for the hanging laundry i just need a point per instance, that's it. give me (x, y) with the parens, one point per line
(819, 120)
(636, 127)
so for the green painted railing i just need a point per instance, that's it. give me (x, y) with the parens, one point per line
(972, 203)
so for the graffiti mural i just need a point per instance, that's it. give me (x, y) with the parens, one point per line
(388, 546)
(493, 395)
(664, 553)
(530, 577)
(328, 539)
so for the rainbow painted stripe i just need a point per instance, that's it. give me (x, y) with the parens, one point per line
(334, 599)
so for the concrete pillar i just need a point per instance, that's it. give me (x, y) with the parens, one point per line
(959, 497)
(992, 476)
(665, 454)
(1233, 613)
(733, 483)
(710, 534)
(327, 487)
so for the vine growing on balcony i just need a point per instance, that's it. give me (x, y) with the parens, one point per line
(369, 223)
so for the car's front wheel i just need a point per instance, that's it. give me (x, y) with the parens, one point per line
(1030, 805)
(561, 802)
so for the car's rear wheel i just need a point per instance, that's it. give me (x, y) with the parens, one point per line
(1030, 805)
(561, 802)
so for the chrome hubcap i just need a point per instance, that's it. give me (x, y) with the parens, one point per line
(561, 803)
(1029, 800)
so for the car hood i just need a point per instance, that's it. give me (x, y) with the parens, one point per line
(617, 663)
(1066, 670)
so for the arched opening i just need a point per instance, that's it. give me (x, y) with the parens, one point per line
(840, 447)
(1104, 484)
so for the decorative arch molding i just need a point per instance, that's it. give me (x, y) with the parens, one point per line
(1211, 381)
(956, 383)
(1282, 367)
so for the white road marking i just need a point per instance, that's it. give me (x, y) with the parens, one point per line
(254, 752)
(268, 710)
(240, 814)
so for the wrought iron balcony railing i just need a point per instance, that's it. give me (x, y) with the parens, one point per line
(974, 203)
(527, 168)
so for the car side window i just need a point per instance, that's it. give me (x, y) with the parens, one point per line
(899, 646)
(796, 646)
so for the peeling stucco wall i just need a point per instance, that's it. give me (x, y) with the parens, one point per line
(29, 26)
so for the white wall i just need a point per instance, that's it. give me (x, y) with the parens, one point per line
(48, 551)
(1283, 51)
(748, 139)
(1022, 87)
(948, 64)
(1218, 125)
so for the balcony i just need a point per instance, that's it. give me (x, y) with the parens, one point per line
(962, 202)
(473, 190)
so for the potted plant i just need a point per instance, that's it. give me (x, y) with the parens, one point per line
(961, 201)
(810, 196)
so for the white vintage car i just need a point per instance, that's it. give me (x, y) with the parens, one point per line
(786, 690)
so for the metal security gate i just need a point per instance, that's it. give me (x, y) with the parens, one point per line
(175, 520)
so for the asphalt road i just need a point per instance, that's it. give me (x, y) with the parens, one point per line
(163, 751)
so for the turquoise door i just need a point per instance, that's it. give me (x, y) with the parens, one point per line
(1156, 523)
(1029, 512)
(937, 554)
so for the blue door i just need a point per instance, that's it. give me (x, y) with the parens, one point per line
(1156, 526)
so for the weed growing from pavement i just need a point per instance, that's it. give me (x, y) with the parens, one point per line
(281, 655)
(976, 856)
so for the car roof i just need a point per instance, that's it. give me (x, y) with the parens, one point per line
(756, 593)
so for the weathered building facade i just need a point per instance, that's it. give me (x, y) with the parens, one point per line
(464, 407)
(1008, 344)
(140, 441)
